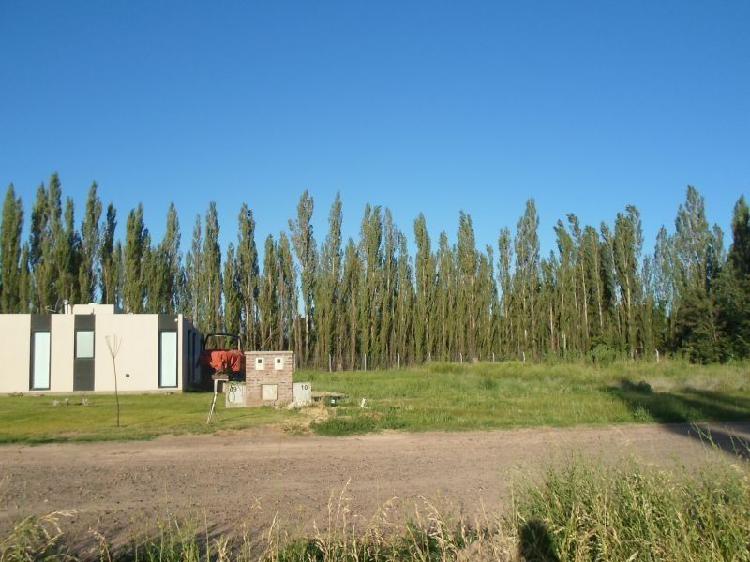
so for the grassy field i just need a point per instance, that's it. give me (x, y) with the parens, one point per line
(506, 395)
(579, 513)
(34, 419)
(434, 397)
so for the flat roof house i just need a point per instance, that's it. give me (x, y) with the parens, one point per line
(69, 352)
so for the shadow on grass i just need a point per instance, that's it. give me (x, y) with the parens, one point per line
(535, 543)
(688, 411)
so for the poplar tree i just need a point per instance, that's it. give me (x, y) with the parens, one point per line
(445, 299)
(271, 328)
(627, 244)
(327, 289)
(67, 248)
(350, 296)
(137, 245)
(193, 303)
(171, 264)
(527, 270)
(424, 292)
(388, 283)
(248, 272)
(304, 247)
(369, 299)
(11, 254)
(109, 280)
(505, 276)
(404, 307)
(89, 273)
(45, 213)
(211, 270)
(288, 317)
(232, 295)
(164, 270)
(467, 285)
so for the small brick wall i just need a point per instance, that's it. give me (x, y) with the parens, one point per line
(269, 375)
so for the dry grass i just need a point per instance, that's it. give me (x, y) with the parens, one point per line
(585, 512)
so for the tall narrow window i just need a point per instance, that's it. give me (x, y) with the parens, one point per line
(41, 367)
(168, 359)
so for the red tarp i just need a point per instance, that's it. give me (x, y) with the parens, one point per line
(224, 360)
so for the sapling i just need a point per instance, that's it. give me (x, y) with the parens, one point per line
(113, 343)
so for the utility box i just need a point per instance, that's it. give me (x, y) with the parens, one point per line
(302, 394)
(269, 377)
(235, 393)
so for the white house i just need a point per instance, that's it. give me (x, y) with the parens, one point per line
(69, 352)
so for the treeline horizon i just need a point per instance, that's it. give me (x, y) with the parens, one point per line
(368, 303)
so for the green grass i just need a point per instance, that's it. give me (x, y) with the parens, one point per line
(578, 513)
(34, 419)
(448, 397)
(439, 396)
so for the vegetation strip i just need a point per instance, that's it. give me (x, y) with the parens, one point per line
(438, 396)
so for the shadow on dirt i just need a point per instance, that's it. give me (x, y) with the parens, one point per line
(688, 413)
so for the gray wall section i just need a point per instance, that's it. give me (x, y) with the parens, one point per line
(83, 368)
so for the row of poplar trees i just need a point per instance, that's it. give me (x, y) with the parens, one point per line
(368, 303)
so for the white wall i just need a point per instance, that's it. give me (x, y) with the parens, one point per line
(15, 352)
(138, 355)
(137, 358)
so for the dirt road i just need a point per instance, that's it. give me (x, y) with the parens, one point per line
(251, 476)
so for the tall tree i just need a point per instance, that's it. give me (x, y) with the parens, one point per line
(193, 304)
(424, 291)
(271, 328)
(232, 295)
(290, 329)
(350, 295)
(692, 244)
(248, 272)
(68, 257)
(527, 271)
(108, 265)
(733, 288)
(11, 253)
(88, 273)
(627, 245)
(327, 289)
(137, 246)
(304, 247)
(211, 271)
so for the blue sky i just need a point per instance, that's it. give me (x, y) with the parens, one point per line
(425, 107)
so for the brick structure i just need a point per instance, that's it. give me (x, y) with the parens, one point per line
(269, 377)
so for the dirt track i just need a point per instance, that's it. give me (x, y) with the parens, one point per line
(250, 476)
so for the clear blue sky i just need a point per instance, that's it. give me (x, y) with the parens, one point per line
(431, 107)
